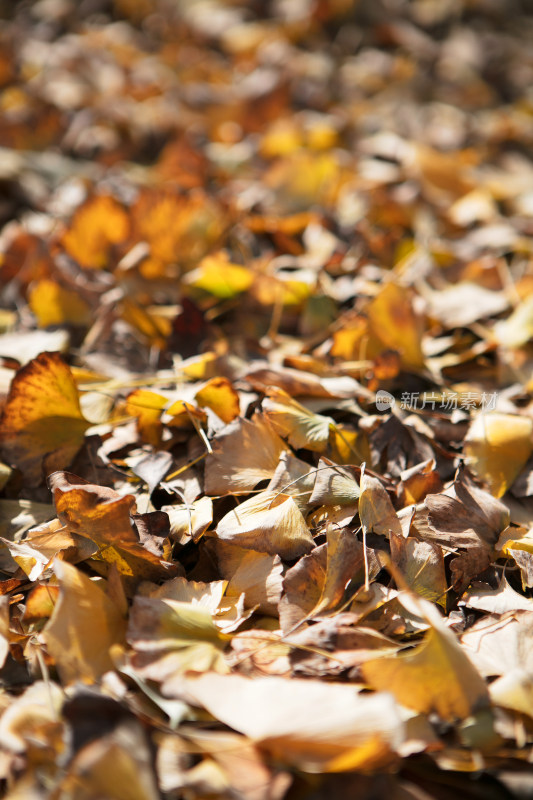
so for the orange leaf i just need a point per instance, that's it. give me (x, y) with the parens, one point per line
(97, 226)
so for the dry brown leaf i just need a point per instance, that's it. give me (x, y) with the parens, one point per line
(422, 567)
(244, 453)
(256, 575)
(106, 518)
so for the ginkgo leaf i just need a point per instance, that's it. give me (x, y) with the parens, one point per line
(517, 329)
(317, 582)
(106, 518)
(376, 511)
(42, 427)
(269, 522)
(147, 407)
(216, 275)
(190, 521)
(344, 560)
(219, 395)
(435, 676)
(421, 565)
(84, 625)
(173, 635)
(280, 715)
(256, 575)
(177, 228)
(226, 612)
(334, 485)
(54, 305)
(394, 322)
(244, 453)
(300, 426)
(99, 224)
(497, 446)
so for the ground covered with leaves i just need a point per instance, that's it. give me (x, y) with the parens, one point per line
(266, 505)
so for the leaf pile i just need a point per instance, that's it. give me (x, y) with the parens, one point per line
(266, 432)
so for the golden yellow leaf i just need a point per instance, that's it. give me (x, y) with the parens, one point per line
(497, 446)
(393, 320)
(147, 407)
(83, 627)
(220, 396)
(436, 676)
(155, 327)
(179, 230)
(42, 427)
(216, 275)
(97, 226)
(54, 305)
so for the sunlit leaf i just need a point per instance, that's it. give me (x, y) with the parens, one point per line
(42, 427)
(434, 676)
(394, 321)
(84, 626)
(220, 396)
(300, 426)
(244, 453)
(497, 446)
(269, 522)
(280, 716)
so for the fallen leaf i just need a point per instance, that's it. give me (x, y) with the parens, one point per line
(218, 276)
(279, 715)
(42, 427)
(244, 453)
(497, 446)
(54, 305)
(147, 407)
(300, 426)
(255, 575)
(98, 225)
(84, 625)
(219, 395)
(376, 511)
(393, 320)
(435, 676)
(269, 522)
